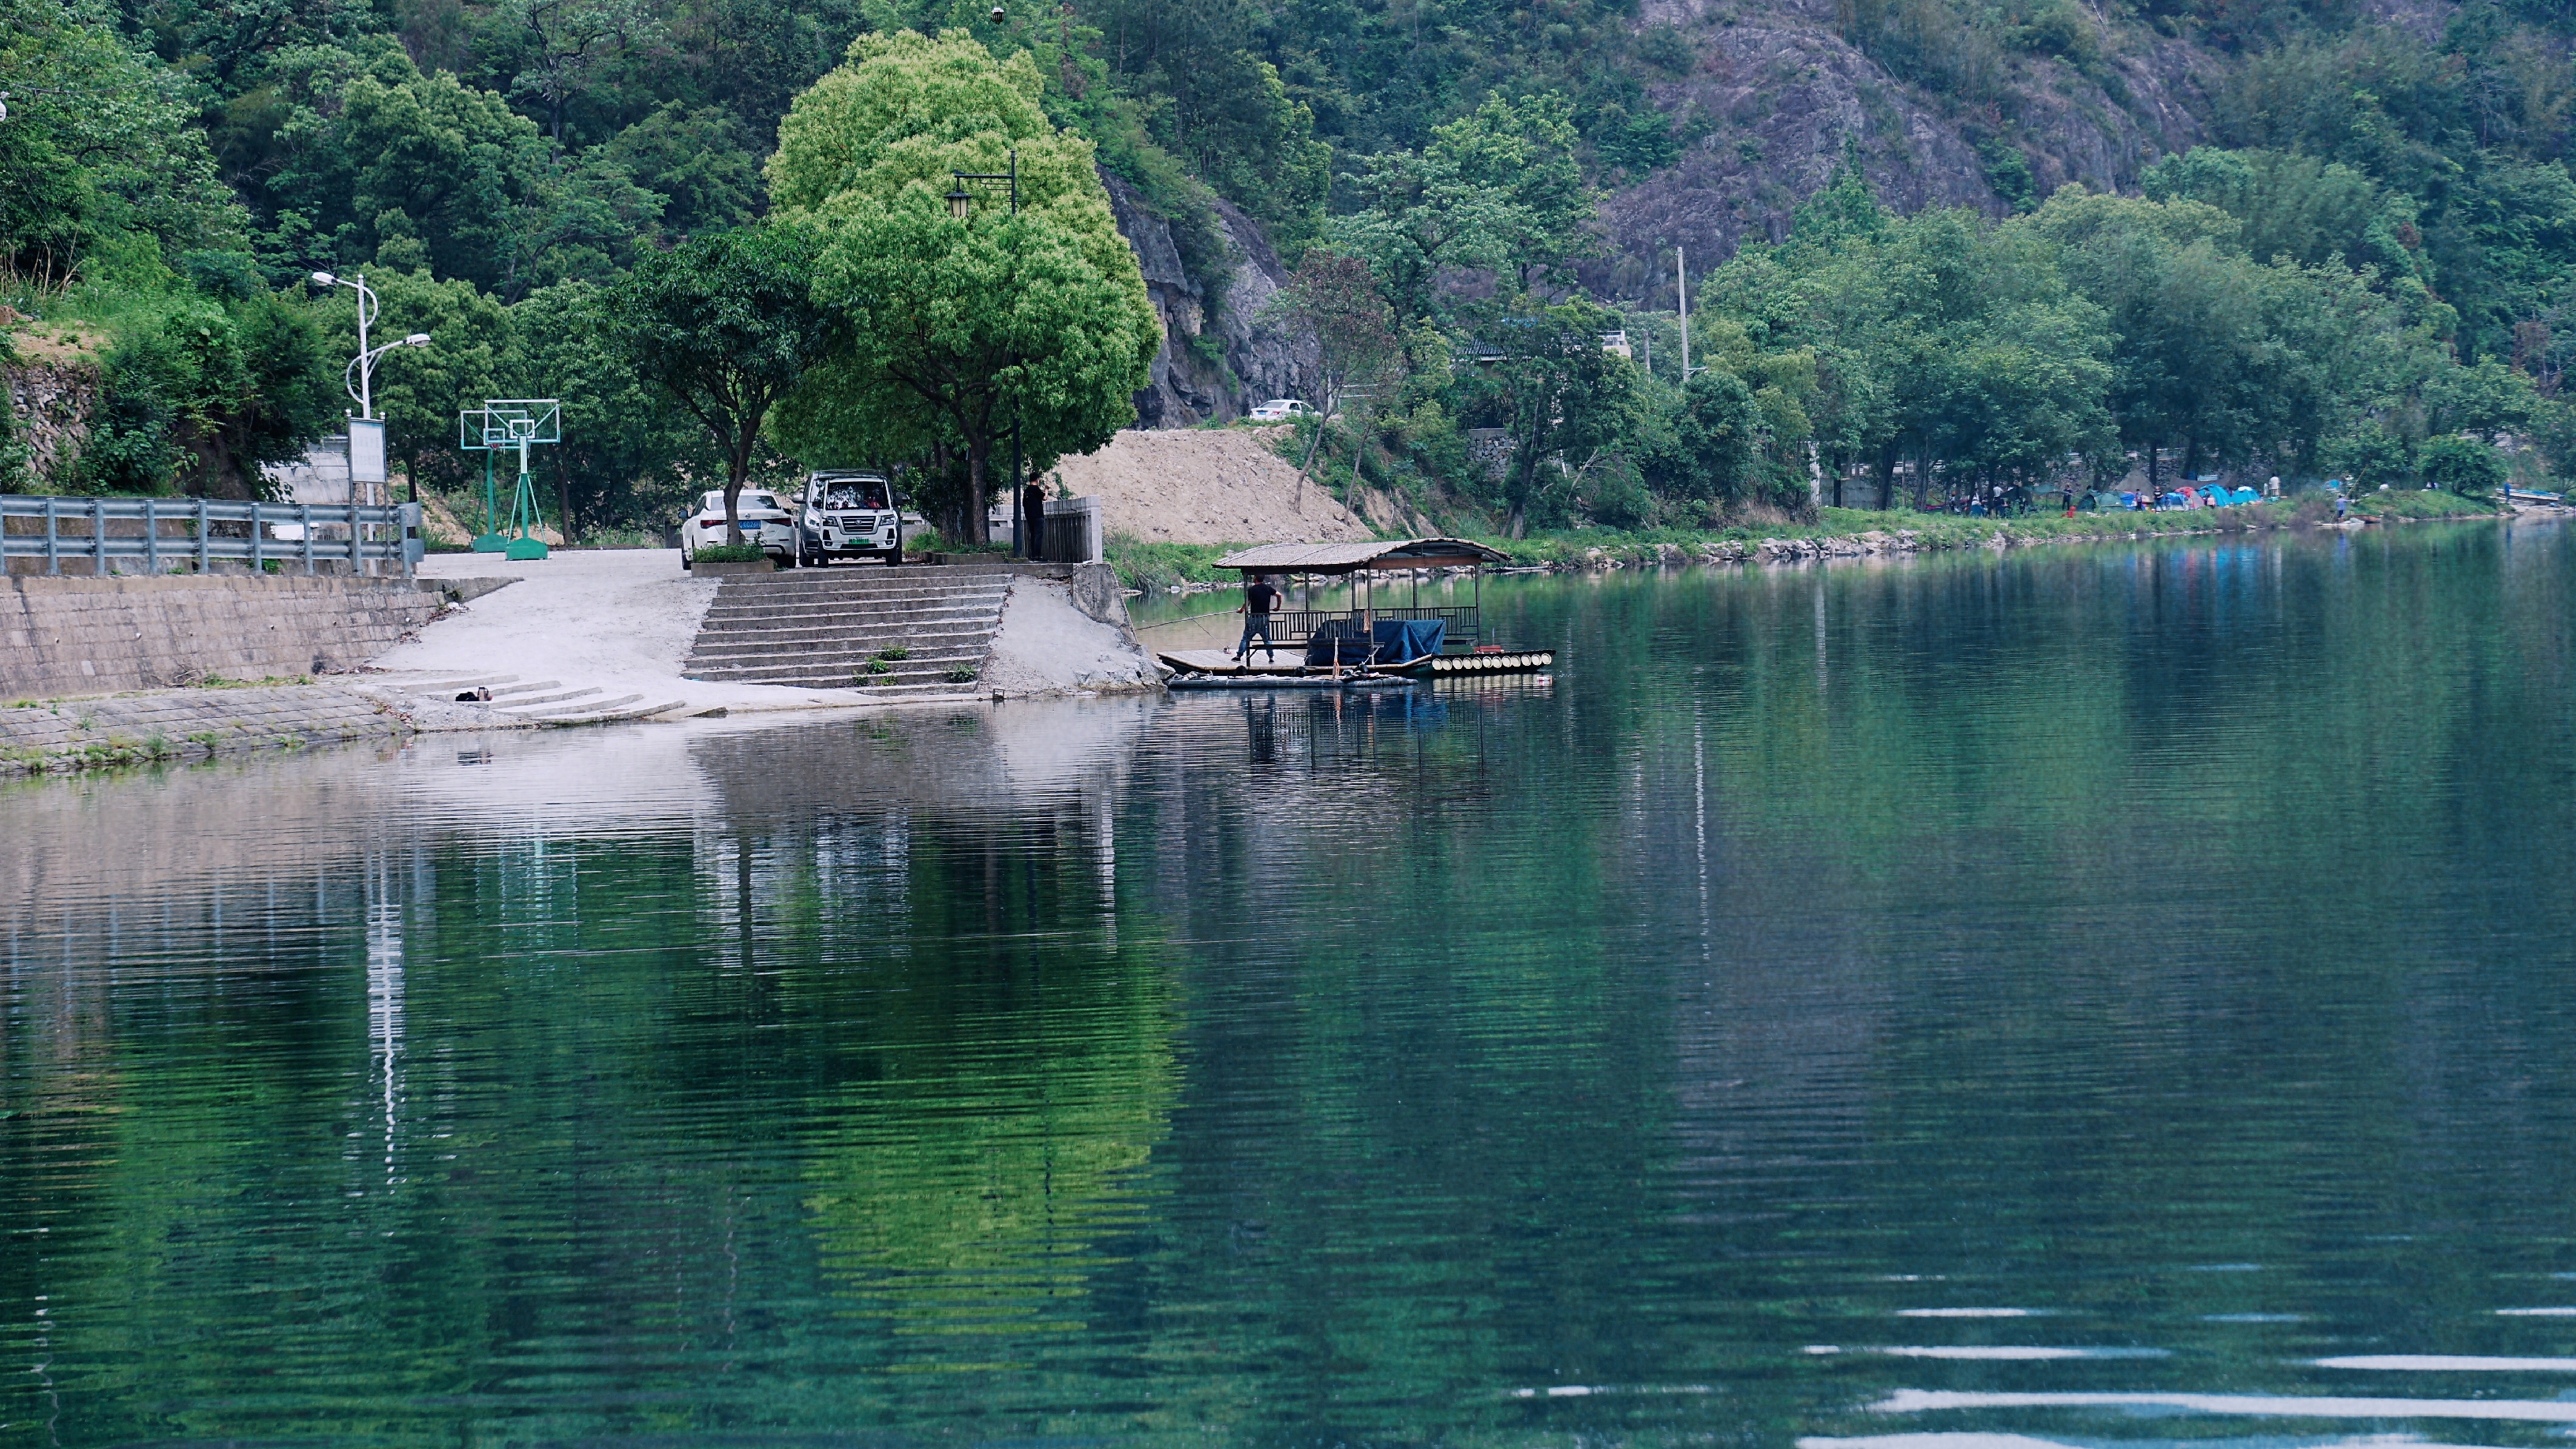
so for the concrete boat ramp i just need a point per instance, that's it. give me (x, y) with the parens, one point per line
(581, 638)
(597, 637)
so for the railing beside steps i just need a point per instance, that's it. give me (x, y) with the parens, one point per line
(1296, 626)
(170, 535)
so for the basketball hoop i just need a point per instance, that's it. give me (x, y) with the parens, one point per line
(503, 425)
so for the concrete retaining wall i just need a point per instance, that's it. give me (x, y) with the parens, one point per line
(66, 636)
(1095, 586)
(186, 724)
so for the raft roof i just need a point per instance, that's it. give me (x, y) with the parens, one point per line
(1373, 555)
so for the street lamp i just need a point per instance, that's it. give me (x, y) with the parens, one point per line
(367, 431)
(960, 204)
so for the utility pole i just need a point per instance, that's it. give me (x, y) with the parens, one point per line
(1681, 288)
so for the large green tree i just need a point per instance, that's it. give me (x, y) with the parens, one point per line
(1031, 317)
(726, 325)
(378, 162)
(628, 455)
(1563, 397)
(1498, 189)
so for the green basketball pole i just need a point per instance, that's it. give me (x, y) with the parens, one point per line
(518, 423)
(490, 541)
(523, 513)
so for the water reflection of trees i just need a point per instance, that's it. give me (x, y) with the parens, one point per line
(944, 915)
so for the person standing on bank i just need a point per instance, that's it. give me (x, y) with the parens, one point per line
(1257, 601)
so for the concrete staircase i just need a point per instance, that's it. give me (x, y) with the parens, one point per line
(824, 628)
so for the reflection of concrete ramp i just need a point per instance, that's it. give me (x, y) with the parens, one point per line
(554, 783)
(964, 757)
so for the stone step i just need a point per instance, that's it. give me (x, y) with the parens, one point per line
(824, 679)
(874, 634)
(779, 587)
(868, 584)
(843, 667)
(824, 618)
(795, 608)
(970, 652)
(841, 641)
(823, 629)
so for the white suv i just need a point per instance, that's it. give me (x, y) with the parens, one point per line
(1280, 410)
(848, 515)
(765, 521)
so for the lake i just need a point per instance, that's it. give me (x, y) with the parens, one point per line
(2116, 997)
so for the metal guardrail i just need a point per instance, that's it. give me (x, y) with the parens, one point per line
(162, 533)
(1296, 626)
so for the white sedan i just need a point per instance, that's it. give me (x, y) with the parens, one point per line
(1280, 410)
(765, 521)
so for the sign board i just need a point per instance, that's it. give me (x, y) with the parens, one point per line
(366, 451)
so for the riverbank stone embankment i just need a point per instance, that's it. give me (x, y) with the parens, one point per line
(91, 636)
(185, 724)
(1994, 535)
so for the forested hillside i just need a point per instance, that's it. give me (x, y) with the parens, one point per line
(2311, 237)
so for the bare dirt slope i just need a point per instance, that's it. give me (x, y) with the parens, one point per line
(1206, 486)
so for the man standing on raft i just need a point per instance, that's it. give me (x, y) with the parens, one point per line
(1257, 601)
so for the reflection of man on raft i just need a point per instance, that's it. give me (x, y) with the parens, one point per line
(1257, 601)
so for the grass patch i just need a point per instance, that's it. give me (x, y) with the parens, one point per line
(1573, 548)
(2420, 503)
(1154, 567)
(729, 553)
(960, 675)
(893, 652)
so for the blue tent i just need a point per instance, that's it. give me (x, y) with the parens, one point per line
(1401, 641)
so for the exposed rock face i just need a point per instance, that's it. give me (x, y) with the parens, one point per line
(1267, 358)
(1776, 94)
(49, 410)
(1209, 369)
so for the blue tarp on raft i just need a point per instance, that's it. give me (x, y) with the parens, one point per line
(1389, 641)
(1400, 641)
(1338, 637)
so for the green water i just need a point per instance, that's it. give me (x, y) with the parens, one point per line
(1855, 1004)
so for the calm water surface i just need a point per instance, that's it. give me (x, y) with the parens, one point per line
(2112, 999)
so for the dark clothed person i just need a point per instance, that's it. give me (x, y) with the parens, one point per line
(1257, 602)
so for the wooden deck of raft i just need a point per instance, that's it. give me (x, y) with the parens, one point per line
(1218, 661)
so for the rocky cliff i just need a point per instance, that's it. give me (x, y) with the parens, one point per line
(1774, 94)
(1220, 355)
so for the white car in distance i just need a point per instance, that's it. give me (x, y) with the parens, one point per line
(1281, 410)
(765, 522)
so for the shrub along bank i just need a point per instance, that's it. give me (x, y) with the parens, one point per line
(1838, 532)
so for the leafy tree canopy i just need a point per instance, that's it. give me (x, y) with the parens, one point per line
(725, 326)
(1031, 318)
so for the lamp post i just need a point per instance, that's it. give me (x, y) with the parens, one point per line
(367, 431)
(961, 204)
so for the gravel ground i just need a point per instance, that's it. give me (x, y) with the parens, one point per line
(1206, 485)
